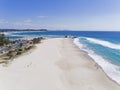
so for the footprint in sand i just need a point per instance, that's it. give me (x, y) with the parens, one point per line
(29, 64)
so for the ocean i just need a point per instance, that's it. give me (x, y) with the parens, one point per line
(102, 46)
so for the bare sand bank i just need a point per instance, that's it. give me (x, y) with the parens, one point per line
(55, 64)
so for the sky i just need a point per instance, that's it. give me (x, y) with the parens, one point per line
(60, 14)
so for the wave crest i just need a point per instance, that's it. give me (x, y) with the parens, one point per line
(104, 43)
(113, 71)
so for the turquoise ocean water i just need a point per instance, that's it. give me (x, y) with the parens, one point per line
(103, 47)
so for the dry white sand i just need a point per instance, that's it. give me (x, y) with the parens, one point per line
(55, 64)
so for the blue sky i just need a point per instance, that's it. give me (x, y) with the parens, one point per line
(60, 14)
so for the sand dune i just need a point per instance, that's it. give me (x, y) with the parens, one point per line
(55, 64)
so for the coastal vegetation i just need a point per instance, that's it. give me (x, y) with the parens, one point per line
(37, 40)
(23, 47)
(15, 48)
(3, 40)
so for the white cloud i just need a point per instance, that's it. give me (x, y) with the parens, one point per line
(42, 16)
(27, 21)
(3, 21)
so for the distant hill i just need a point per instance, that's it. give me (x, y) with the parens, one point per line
(10, 30)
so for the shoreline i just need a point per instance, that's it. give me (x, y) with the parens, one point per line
(55, 64)
(92, 64)
(96, 64)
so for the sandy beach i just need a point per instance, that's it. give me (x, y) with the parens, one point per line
(55, 64)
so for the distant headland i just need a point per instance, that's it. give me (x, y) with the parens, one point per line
(10, 30)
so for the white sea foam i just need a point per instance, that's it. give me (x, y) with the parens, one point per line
(7, 33)
(76, 41)
(104, 43)
(113, 71)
